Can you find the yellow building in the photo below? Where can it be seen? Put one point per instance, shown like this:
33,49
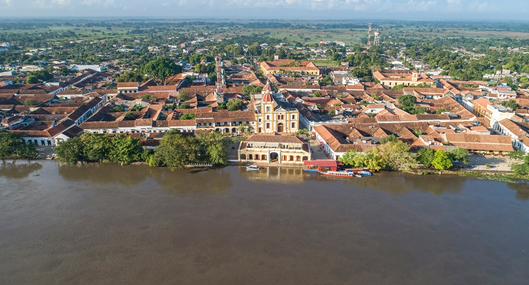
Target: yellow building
275,115
274,150
288,66
402,78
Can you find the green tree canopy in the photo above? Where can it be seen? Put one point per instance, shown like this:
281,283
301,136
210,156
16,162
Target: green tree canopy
70,151
161,68
176,151
235,105
426,157
442,161
125,150
13,147
96,148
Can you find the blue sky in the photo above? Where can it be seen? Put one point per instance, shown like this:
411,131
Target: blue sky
491,10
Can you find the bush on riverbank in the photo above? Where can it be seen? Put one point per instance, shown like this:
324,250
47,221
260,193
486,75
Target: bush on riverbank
120,149
522,169
396,155
176,151
393,155
13,147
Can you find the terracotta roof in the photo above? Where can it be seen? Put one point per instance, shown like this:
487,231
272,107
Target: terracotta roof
274,139
475,142
128,85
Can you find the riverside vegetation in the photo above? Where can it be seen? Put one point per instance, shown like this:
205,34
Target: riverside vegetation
395,155
175,150
13,147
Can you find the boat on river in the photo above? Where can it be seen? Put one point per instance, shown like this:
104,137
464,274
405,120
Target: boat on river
340,174
347,173
252,167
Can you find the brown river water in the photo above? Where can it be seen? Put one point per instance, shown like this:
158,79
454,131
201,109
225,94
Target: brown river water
135,225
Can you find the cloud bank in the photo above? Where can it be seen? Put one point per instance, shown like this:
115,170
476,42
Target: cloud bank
272,9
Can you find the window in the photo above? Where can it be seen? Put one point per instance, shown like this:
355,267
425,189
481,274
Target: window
293,125
268,125
267,117
293,117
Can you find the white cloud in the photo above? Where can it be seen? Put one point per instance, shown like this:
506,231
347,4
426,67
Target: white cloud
397,9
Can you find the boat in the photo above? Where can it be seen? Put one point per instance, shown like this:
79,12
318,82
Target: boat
365,173
340,174
252,167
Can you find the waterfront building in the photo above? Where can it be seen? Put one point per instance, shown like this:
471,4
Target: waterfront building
274,150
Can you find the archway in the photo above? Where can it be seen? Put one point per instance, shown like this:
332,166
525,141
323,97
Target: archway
274,157
280,128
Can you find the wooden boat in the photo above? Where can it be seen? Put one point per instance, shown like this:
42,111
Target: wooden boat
252,167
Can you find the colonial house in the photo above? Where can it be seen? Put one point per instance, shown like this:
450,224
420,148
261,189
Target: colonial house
519,136
128,87
274,150
402,78
288,66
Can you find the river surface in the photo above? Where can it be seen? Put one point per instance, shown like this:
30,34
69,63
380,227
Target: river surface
136,225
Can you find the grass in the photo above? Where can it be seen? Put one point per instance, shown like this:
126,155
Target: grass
326,63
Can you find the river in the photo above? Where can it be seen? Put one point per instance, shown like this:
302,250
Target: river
105,224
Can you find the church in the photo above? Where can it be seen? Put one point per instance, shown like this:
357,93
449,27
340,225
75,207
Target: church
274,114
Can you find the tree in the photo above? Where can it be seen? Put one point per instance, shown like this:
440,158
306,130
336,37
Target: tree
426,157
161,68
511,104
37,76
327,80
70,151
523,168
187,117
251,90
125,150
26,151
176,151
215,146
235,105
13,147
396,155
442,161
354,159
459,155
131,76
407,103
96,148
369,160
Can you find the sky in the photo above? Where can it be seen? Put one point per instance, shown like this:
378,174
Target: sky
490,10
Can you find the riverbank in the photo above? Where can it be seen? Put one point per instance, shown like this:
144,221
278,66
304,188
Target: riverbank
500,176
491,175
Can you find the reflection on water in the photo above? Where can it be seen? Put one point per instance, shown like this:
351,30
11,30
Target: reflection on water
17,169
284,175
522,190
185,181
220,180
106,224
